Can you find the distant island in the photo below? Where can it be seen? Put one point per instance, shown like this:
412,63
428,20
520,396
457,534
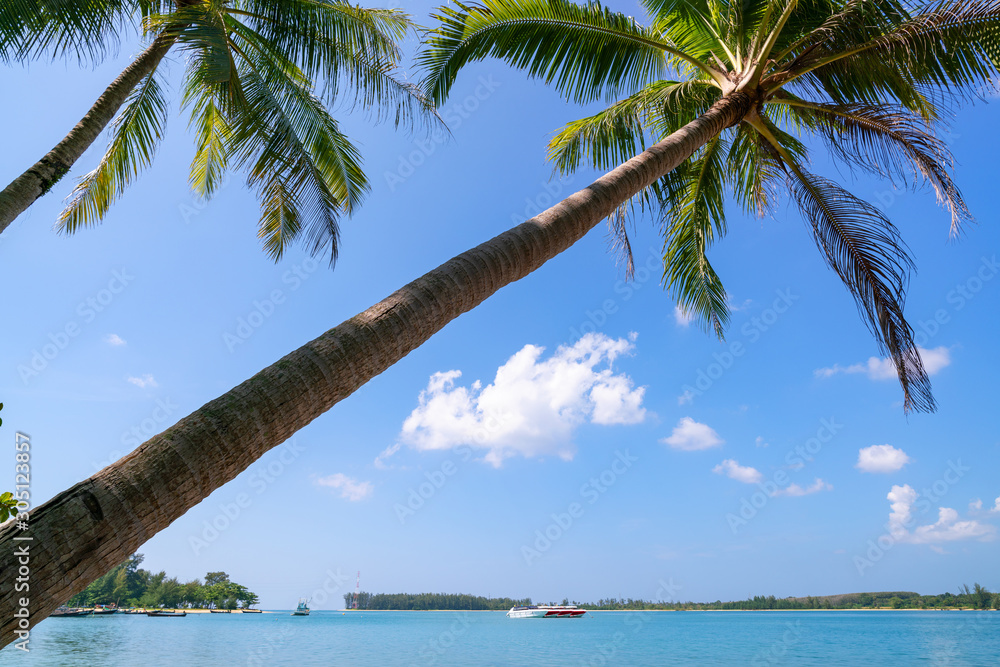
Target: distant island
977,597
128,585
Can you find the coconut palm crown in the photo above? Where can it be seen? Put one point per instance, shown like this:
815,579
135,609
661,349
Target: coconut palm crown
258,82
874,79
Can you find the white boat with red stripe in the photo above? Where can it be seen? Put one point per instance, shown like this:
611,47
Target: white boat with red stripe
546,611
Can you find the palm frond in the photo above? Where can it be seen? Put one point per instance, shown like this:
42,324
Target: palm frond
755,170
617,133
694,218
586,52
866,251
136,133
88,30
295,153
952,45
892,143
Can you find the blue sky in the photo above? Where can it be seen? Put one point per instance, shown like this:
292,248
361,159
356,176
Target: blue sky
763,480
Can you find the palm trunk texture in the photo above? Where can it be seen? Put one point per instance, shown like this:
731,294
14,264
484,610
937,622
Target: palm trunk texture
90,528
39,179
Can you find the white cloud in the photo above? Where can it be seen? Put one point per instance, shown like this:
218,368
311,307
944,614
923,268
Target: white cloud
682,317
146,380
533,405
114,339
976,505
384,454
690,436
883,369
351,489
948,527
733,470
881,458
795,490
760,442
996,505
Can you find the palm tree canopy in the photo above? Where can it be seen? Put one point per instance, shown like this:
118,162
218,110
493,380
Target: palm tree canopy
872,78
260,77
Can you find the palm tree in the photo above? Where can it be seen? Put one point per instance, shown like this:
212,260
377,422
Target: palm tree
871,78
250,86
913,60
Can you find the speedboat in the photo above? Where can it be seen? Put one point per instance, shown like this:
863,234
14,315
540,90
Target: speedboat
302,609
546,611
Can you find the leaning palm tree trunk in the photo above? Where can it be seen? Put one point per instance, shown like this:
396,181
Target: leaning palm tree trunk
88,529
39,179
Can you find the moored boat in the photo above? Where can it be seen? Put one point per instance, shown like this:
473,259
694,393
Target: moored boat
164,614
251,611
66,612
302,609
546,611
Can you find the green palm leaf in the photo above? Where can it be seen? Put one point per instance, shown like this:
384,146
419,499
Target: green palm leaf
695,217
136,133
865,250
585,51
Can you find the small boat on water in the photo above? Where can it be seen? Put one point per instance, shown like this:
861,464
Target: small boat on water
104,611
165,614
66,612
302,609
546,611
251,611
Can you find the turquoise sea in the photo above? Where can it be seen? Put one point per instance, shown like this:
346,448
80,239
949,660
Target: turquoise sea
448,639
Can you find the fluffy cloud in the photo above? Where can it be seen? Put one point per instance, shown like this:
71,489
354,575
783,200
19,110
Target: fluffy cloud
682,317
796,490
881,458
114,339
948,527
883,369
996,505
533,405
976,505
733,470
691,436
146,380
350,489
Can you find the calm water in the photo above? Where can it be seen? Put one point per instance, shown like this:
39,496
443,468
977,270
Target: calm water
488,638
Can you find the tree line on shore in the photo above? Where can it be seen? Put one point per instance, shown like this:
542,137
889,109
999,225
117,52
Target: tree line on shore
976,597
430,601
128,585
